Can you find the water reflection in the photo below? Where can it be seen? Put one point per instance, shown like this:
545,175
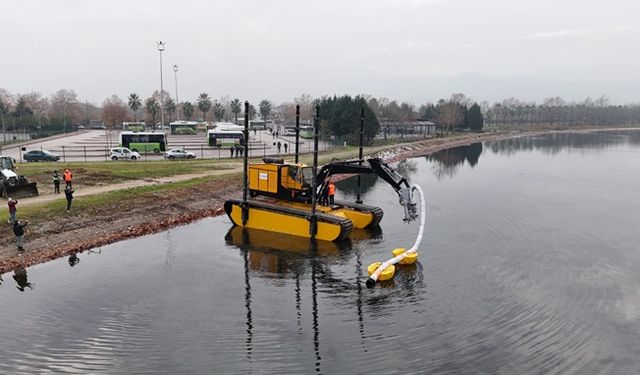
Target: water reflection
20,276
447,162
277,255
73,259
554,143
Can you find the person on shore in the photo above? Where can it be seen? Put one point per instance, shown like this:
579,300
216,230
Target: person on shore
286,146
18,230
231,149
331,192
56,182
12,209
279,146
68,193
67,177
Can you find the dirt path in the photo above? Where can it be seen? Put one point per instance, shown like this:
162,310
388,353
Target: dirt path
145,213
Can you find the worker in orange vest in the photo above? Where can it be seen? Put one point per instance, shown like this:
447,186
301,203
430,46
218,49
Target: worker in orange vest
332,192
67,176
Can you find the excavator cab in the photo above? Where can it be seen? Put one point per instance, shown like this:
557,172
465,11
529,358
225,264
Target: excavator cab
278,179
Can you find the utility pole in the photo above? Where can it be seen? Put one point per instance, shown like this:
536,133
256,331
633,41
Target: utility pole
160,49
175,71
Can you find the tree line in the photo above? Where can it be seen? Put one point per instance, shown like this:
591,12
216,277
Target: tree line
34,113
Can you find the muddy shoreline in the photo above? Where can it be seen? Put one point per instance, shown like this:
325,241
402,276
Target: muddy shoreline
76,232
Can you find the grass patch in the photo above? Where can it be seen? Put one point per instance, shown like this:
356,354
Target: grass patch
100,173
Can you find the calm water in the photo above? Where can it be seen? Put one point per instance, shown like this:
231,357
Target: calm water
530,265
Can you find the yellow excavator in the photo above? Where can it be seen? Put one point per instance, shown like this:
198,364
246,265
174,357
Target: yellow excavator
281,199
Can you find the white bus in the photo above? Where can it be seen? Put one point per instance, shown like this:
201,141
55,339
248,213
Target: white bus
225,138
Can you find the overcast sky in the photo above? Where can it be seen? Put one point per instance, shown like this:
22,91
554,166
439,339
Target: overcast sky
407,50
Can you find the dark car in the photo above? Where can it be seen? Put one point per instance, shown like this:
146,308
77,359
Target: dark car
40,155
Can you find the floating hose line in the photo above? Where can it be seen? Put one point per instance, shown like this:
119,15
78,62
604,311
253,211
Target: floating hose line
386,270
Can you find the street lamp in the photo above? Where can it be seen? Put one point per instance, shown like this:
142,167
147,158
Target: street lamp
160,49
175,71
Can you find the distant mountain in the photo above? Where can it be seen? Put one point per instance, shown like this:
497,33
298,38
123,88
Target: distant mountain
620,84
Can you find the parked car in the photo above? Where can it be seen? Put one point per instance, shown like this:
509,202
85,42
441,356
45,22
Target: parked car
178,153
40,155
123,153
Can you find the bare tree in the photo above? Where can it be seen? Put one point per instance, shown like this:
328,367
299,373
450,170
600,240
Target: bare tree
64,105
449,114
114,112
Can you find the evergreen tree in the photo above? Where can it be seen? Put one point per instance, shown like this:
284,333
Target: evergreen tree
341,117
475,118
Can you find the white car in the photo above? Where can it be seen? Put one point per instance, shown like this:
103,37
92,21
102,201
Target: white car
178,153
123,153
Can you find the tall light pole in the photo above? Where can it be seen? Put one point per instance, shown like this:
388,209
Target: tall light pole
175,71
160,49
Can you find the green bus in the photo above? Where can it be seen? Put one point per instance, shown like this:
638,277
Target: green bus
144,141
183,127
134,126
306,131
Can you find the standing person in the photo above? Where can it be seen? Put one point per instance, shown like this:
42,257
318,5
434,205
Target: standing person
56,182
68,193
324,196
18,230
279,145
231,149
12,210
286,146
332,191
67,177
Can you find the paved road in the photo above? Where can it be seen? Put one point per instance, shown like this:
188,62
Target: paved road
94,145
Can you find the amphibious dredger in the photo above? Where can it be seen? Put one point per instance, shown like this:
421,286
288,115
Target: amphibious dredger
281,198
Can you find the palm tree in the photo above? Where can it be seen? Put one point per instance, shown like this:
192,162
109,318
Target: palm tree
170,107
134,105
204,104
152,108
265,109
187,110
236,107
218,110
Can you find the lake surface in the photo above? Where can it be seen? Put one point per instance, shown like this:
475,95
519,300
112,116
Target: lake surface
530,264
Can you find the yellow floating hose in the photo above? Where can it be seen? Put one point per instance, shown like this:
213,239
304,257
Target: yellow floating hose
411,255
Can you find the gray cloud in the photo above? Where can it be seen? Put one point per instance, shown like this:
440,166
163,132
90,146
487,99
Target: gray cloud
414,50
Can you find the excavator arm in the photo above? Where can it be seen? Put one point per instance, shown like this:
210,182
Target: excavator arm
376,165
379,167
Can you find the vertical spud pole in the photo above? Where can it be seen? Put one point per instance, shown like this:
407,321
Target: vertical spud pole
297,129
245,190
313,225
360,154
